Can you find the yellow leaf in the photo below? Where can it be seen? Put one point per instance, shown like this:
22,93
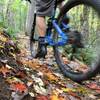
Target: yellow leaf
54,97
3,39
68,89
12,54
1,46
51,77
11,80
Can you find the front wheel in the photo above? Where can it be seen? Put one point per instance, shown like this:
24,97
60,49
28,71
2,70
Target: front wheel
84,17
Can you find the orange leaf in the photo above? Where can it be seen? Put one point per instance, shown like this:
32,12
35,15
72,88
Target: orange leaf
51,77
74,95
30,63
54,97
41,97
61,98
20,87
93,86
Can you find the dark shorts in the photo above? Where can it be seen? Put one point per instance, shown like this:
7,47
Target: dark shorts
44,7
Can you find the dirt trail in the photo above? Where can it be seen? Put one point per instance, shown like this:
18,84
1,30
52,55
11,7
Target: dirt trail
22,78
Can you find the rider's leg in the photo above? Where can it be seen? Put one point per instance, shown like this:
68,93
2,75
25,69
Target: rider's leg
43,8
41,27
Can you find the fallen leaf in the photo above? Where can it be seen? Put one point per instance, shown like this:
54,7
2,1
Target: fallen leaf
40,74
38,80
66,61
62,98
3,39
93,86
83,67
19,87
31,63
4,61
74,95
31,94
9,67
54,97
29,83
51,76
13,55
68,90
11,80
92,96
40,89
42,97
11,43
81,89
1,46
4,71
98,91
17,96
21,74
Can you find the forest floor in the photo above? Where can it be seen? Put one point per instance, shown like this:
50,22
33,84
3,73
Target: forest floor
23,78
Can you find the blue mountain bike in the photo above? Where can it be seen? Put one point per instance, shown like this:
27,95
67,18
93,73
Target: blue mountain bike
66,37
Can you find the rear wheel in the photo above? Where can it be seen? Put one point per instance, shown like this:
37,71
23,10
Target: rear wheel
85,63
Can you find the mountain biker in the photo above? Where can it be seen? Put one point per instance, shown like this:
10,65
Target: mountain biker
43,8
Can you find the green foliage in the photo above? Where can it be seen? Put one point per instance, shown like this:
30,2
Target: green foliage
13,15
85,55
11,31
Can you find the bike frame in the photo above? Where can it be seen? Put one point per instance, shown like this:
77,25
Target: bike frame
63,36
52,24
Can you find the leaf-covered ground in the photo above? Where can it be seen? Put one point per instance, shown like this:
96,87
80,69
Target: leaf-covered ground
23,78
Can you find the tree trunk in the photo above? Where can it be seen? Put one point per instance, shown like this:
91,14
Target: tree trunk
85,23
30,17
9,15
